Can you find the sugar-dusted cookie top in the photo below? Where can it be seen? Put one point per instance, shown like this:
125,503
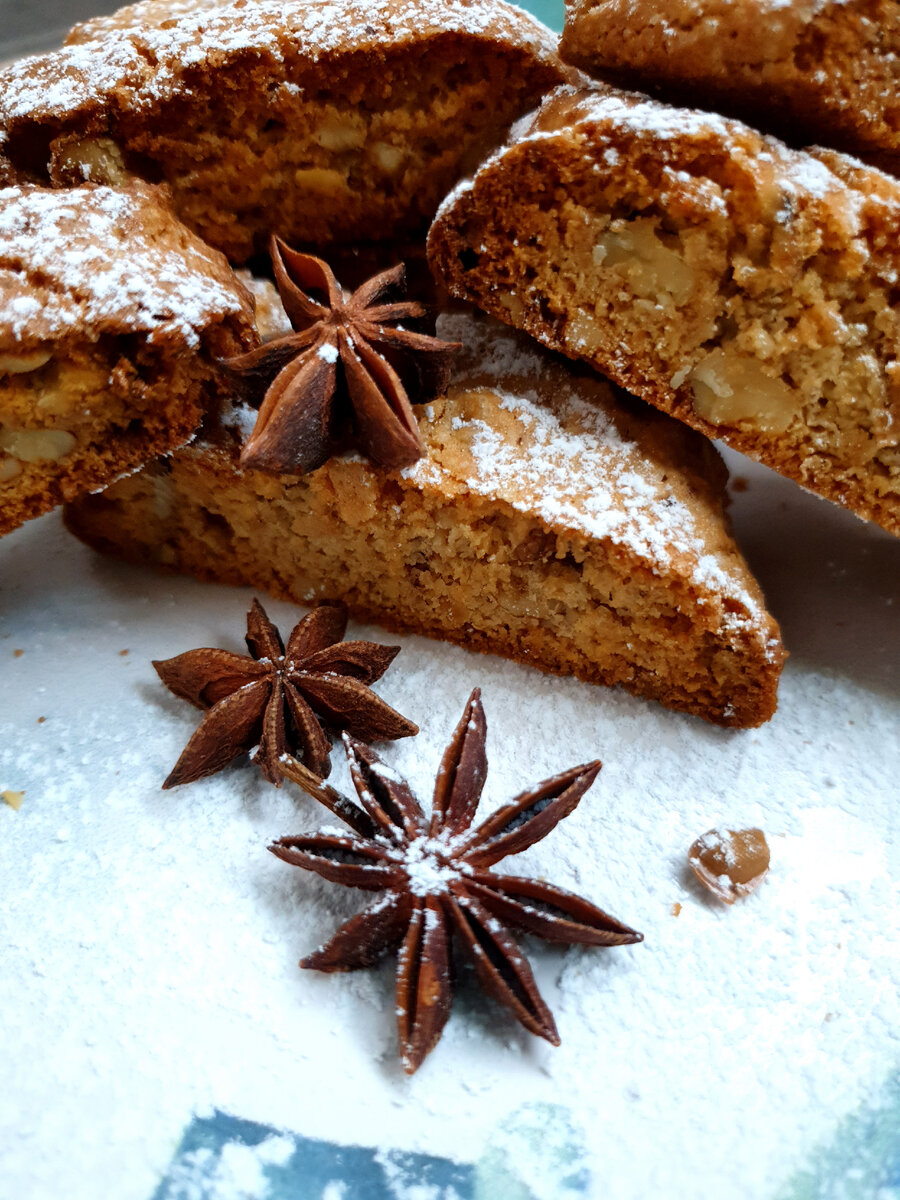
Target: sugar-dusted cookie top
524,427
823,71
81,263
316,28
534,431
320,121
551,519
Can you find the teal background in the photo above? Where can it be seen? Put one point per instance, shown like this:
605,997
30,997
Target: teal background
361,1173
549,11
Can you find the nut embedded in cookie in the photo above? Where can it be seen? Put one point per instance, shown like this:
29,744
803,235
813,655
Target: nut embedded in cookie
745,288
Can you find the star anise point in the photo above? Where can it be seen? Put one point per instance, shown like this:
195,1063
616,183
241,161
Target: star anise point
343,377
281,700
436,887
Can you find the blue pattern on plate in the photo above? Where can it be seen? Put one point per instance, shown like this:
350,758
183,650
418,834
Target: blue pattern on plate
862,1162
225,1158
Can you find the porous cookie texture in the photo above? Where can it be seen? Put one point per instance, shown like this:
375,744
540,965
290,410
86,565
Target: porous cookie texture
747,289
824,71
552,520
112,320
318,121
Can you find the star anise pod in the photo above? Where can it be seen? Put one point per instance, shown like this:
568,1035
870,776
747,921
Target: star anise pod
342,378
280,697
437,887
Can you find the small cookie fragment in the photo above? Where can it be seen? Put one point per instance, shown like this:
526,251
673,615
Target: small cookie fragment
730,863
13,799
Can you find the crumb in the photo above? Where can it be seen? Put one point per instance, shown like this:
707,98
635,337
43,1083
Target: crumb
13,799
676,909
41,720
18,653
122,653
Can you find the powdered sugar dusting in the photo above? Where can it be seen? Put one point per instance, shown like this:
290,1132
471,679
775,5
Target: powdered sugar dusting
149,935
597,111
638,115
95,260
141,56
427,864
241,417
575,469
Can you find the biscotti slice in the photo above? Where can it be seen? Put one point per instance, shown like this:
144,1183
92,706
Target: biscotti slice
552,520
112,320
823,71
748,289
317,121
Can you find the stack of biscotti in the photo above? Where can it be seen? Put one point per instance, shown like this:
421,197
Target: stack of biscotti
552,519
747,288
257,117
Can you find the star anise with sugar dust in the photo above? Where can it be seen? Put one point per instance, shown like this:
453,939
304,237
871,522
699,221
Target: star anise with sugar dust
436,887
345,376
282,699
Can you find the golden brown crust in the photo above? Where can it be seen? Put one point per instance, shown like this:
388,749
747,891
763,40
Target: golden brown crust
552,521
809,70
317,122
151,14
745,288
112,320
